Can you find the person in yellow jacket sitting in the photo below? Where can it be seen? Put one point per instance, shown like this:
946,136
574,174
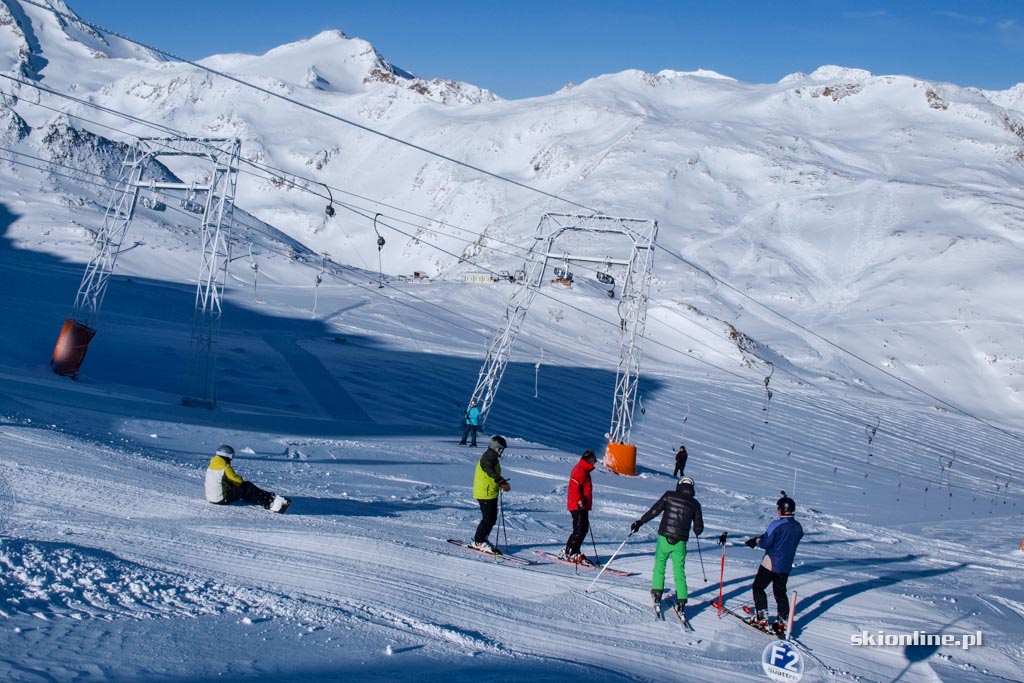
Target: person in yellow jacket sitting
223,485
486,483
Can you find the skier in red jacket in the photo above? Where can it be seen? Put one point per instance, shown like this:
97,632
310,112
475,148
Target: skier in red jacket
580,501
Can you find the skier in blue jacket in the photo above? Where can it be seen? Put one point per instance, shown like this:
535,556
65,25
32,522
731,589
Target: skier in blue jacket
779,541
472,423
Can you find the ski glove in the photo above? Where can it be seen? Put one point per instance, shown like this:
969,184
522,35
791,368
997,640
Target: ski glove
751,542
721,539
634,527
504,485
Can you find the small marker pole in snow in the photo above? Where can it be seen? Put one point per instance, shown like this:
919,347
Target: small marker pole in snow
614,555
721,580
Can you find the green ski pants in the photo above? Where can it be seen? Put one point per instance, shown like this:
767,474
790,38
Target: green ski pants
677,552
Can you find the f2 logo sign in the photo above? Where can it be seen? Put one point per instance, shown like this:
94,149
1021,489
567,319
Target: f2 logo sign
782,662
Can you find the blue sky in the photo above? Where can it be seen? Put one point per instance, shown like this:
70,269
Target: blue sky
528,48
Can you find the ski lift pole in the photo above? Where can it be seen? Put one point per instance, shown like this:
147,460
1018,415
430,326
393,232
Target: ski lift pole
606,564
380,245
536,375
329,209
319,279
255,268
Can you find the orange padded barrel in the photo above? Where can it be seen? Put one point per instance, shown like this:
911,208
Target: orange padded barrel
621,458
71,346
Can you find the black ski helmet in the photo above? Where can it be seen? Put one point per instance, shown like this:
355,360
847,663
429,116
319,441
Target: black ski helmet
226,452
497,444
786,505
685,484
589,455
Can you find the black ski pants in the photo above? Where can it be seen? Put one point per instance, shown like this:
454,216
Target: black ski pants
580,527
778,582
489,517
250,493
466,431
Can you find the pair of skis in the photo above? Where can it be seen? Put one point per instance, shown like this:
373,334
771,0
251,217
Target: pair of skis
746,620
659,615
521,562
588,565
510,559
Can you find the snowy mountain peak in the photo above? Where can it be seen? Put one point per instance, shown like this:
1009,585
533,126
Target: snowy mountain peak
840,73
32,37
333,62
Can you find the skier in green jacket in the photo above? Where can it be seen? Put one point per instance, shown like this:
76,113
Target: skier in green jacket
487,482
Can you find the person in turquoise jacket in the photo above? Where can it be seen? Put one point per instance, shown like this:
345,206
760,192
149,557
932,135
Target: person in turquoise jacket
472,424
487,482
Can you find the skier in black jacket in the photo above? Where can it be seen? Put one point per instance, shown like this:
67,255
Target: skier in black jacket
681,457
679,510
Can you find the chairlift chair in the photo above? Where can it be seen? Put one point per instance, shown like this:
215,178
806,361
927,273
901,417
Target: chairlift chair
152,203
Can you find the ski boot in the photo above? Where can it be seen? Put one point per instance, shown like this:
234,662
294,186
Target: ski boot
485,547
759,620
779,627
656,598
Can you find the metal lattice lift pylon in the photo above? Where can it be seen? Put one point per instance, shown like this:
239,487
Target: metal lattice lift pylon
585,239
212,198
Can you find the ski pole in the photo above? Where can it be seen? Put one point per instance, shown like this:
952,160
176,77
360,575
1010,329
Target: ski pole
504,529
701,556
608,562
594,543
721,578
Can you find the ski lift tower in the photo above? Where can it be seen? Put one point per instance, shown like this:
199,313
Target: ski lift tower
212,198
565,239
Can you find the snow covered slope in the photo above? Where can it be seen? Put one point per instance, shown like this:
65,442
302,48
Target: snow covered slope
879,215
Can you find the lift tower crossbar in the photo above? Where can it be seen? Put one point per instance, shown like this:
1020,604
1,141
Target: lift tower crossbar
591,239
212,197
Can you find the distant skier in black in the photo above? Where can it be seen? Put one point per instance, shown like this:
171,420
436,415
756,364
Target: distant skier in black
679,510
681,457
779,541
